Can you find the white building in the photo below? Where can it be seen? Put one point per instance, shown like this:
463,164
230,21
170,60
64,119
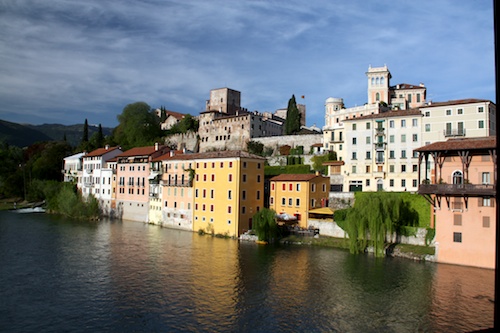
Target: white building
73,167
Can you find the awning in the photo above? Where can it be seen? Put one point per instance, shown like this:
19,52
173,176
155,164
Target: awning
153,175
322,211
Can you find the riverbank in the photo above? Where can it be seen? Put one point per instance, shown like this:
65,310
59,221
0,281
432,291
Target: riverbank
414,252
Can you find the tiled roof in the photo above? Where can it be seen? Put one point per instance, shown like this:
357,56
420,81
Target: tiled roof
176,115
333,163
209,155
407,86
388,114
101,151
481,143
294,177
141,151
455,102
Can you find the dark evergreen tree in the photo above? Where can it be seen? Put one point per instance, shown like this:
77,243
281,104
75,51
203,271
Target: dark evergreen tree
85,137
292,122
100,138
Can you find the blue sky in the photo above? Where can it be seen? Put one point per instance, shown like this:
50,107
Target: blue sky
62,61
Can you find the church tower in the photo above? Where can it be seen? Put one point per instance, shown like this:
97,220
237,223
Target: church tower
378,84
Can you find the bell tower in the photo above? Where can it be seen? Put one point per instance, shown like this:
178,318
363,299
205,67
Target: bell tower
378,84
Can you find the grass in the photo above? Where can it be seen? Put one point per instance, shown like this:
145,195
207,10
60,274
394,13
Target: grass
415,249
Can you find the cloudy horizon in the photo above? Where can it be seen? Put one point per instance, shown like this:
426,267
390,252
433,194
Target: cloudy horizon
66,61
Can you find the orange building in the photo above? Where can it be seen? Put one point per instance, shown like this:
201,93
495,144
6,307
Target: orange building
297,194
462,190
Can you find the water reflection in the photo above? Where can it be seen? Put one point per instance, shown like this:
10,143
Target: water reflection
126,276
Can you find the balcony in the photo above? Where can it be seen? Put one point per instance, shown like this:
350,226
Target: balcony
454,132
471,190
178,183
379,130
379,146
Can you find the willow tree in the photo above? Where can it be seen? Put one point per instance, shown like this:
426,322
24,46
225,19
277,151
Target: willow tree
373,217
264,224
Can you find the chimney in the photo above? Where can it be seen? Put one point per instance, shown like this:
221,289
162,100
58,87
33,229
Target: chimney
106,147
157,146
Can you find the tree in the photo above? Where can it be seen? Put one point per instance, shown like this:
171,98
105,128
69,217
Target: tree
292,122
318,160
139,126
264,224
97,139
85,137
255,147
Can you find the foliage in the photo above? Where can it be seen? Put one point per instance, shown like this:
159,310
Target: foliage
318,160
420,205
292,122
268,151
340,214
48,161
264,225
139,126
299,150
97,139
85,136
374,216
11,170
285,150
270,171
255,147
429,236
294,160
187,124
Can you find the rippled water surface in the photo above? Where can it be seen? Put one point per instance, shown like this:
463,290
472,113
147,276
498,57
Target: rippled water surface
59,275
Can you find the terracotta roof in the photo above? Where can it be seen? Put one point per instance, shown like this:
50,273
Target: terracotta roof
174,114
294,177
455,102
389,114
481,143
208,155
101,151
142,151
317,145
333,163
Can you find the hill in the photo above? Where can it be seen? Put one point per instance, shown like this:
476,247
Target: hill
73,133
23,135
19,135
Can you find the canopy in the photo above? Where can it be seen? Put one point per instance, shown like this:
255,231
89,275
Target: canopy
322,210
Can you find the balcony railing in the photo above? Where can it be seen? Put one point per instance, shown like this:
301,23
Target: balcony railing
458,189
379,145
185,183
454,132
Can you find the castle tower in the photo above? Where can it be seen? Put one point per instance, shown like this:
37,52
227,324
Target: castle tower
378,84
224,100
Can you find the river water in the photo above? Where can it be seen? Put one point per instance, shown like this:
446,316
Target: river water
59,275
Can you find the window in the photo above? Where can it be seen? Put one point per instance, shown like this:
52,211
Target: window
353,127
221,164
212,194
457,219
313,202
414,183
368,140
427,113
354,140
460,111
290,187
367,169
313,187
409,98
485,202
391,154
229,194
414,122
367,125
403,137
213,177
353,169
283,201
403,182
418,98
403,153
230,164
290,201
243,210
324,187
391,138
203,207
230,177
272,186
427,127
367,183
298,187
204,193
283,187
229,209
244,165
414,168
354,155
368,155
415,137
480,109
195,193
403,168
297,202
403,123
258,178
486,221
391,182
204,178
244,195
244,178
485,178
258,195
271,200
448,112
457,237
211,208
391,168
391,123
480,124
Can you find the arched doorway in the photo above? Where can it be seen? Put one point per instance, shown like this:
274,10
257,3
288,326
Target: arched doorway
458,178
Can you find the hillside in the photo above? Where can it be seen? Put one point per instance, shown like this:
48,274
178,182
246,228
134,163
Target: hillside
19,135
23,135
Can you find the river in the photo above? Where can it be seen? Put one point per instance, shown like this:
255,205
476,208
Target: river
59,275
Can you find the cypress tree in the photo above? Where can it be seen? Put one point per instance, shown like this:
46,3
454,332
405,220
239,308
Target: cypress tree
85,137
100,137
292,122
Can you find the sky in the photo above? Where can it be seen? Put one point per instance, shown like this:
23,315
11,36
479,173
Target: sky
64,61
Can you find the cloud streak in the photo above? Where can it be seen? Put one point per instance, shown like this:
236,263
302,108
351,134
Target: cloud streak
64,61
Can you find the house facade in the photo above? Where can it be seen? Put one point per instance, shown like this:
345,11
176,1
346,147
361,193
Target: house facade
73,168
297,194
461,187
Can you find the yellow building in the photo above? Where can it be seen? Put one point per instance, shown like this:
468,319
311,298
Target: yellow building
228,191
297,194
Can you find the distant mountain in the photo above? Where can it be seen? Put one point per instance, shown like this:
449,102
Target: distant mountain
19,135
74,133
23,135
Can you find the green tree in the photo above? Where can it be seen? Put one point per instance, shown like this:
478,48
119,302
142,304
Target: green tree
139,126
186,124
375,215
97,140
292,122
255,147
318,160
48,164
264,225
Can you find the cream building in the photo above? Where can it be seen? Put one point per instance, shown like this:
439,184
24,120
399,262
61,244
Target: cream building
73,167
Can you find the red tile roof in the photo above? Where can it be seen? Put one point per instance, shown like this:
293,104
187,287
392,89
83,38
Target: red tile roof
455,102
208,155
101,151
481,143
176,115
143,151
294,177
403,86
388,114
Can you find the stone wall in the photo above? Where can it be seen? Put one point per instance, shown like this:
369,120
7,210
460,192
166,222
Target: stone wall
188,141
306,141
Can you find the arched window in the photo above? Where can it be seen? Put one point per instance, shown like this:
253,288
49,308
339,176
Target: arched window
373,81
377,81
377,97
381,81
458,177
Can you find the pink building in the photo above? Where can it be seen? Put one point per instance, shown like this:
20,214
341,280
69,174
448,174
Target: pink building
462,191
132,186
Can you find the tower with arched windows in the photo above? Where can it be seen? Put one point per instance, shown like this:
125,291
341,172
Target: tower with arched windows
378,84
